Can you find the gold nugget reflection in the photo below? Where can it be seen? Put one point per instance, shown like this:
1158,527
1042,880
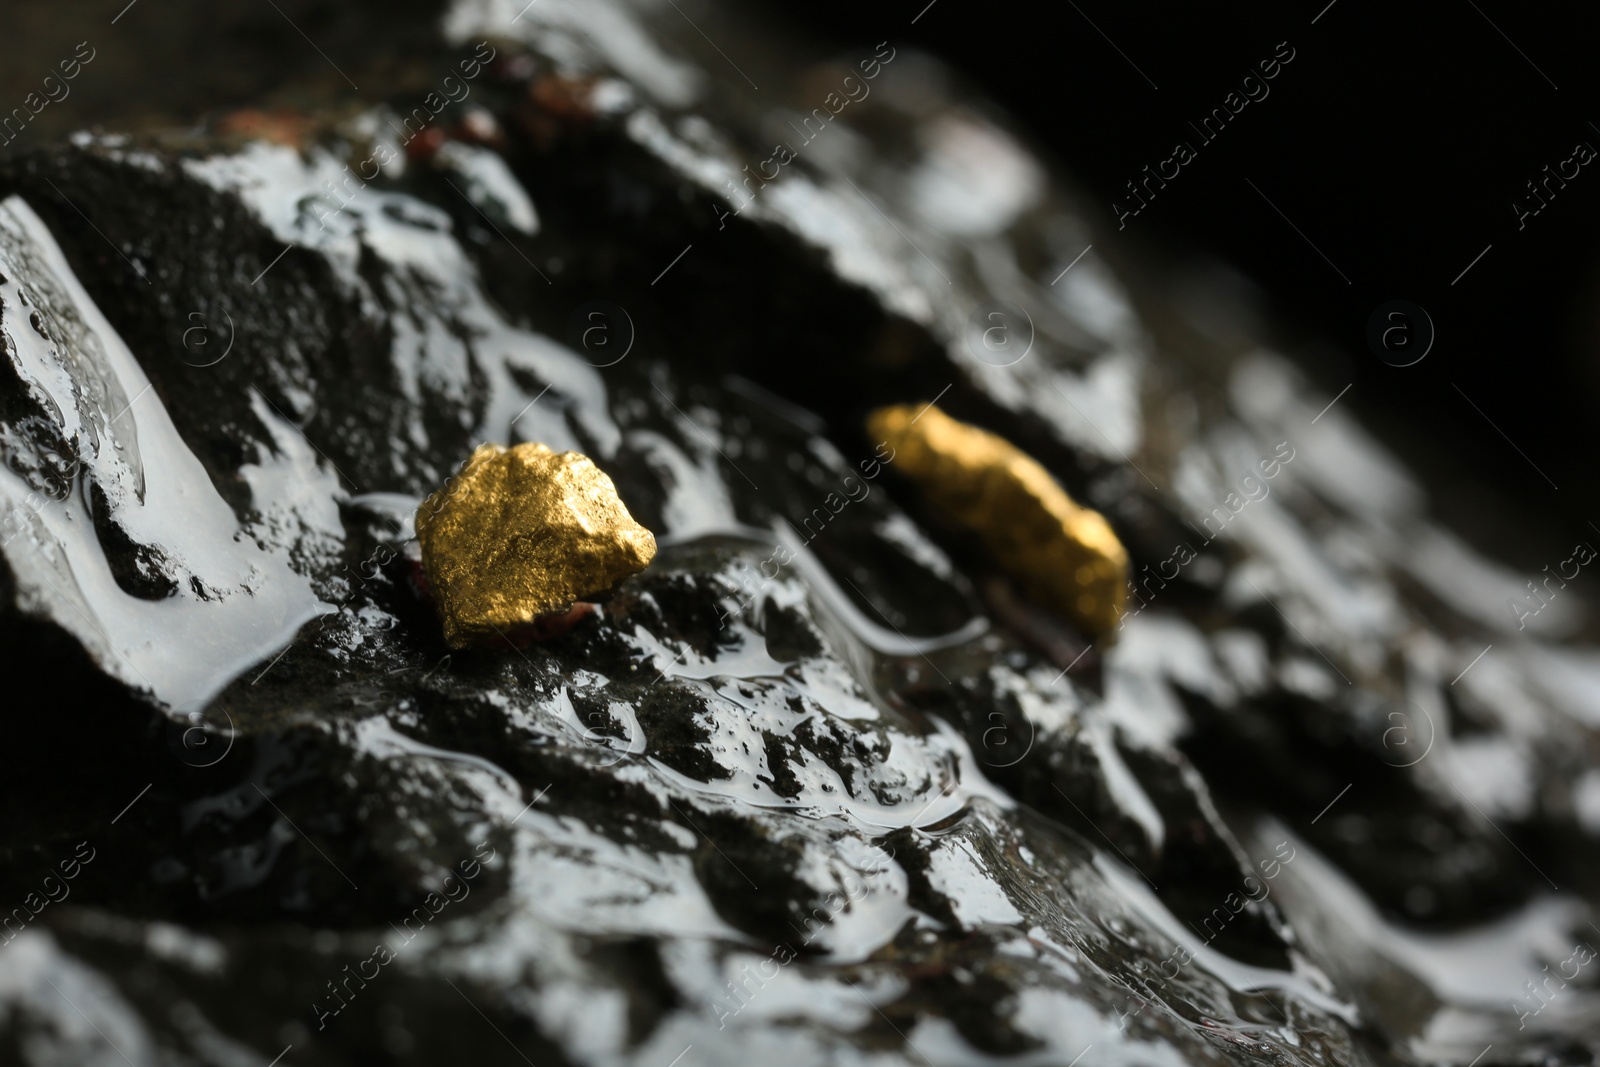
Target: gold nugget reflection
521,533
1063,555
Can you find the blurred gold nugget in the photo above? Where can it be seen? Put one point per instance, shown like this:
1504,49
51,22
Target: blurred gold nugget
521,533
1064,555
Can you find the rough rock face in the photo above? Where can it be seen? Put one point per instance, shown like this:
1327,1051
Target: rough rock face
817,787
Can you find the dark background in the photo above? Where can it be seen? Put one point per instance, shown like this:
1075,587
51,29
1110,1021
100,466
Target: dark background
1396,141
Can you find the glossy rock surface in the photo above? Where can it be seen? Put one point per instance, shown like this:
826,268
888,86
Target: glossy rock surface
814,788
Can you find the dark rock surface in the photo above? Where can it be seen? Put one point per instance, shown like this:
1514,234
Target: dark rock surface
816,787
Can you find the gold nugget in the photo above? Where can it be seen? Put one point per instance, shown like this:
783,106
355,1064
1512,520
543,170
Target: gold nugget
522,533
1064,555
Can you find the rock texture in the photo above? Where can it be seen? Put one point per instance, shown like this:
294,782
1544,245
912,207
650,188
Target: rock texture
809,792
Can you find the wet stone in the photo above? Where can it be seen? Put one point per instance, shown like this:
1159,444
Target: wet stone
825,783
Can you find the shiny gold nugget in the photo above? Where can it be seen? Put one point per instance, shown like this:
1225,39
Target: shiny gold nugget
1064,555
521,533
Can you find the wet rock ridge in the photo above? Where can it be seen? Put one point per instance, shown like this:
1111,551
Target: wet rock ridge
819,785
